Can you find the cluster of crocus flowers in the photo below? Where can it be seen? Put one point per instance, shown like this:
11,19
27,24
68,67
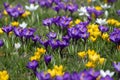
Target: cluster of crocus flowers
113,22
62,21
4,75
90,12
58,73
37,54
93,58
15,11
58,5
94,31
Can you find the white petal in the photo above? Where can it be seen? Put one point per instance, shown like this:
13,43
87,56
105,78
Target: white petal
106,14
36,7
27,7
81,14
102,73
17,45
112,73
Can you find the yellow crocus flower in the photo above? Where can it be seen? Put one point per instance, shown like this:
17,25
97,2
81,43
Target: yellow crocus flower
82,54
92,38
94,57
91,52
105,36
51,72
15,23
77,21
5,12
26,13
59,73
41,50
1,31
98,8
101,60
90,64
4,75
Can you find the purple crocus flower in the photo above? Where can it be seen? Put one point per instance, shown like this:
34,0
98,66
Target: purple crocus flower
92,10
47,59
107,78
74,33
64,22
103,29
47,22
56,20
12,12
56,8
54,44
81,28
62,44
84,35
58,78
94,73
1,43
84,75
115,36
18,32
111,1
32,1
75,76
28,32
98,13
118,12
117,66
62,6
33,65
20,9
42,76
7,29
45,43
66,38
67,76
35,38
51,35
42,3
6,5
15,11
72,7
49,3
57,1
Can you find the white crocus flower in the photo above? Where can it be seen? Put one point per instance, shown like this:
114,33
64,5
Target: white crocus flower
17,45
32,7
105,73
101,21
23,25
105,6
106,13
82,11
